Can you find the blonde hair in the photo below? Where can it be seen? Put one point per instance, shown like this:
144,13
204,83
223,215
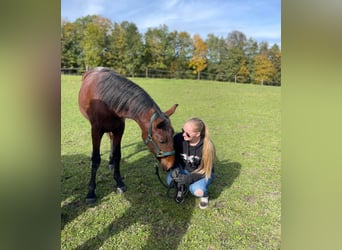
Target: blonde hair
208,152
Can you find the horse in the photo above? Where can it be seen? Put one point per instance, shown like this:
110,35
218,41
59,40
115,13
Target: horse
106,99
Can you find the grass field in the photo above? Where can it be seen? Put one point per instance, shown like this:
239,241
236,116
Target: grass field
245,199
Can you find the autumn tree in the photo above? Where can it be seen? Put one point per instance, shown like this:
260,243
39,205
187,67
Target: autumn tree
198,61
243,74
267,65
264,69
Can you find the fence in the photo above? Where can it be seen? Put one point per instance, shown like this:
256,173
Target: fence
159,73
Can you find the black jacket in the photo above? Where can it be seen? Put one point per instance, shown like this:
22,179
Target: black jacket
188,156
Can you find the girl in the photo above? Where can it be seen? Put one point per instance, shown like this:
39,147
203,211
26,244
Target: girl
194,169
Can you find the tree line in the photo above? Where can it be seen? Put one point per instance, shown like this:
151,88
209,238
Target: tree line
94,40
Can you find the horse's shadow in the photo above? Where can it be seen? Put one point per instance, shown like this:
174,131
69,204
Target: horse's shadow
149,205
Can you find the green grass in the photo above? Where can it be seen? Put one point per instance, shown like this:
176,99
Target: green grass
245,198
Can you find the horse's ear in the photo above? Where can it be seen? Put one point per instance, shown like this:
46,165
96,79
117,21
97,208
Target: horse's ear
171,110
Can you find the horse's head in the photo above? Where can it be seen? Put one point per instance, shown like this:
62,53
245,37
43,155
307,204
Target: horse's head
159,137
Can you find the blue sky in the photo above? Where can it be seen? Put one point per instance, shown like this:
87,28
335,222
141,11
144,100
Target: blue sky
258,19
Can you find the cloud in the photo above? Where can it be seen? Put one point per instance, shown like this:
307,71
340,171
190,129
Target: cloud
170,4
178,15
93,8
78,8
257,19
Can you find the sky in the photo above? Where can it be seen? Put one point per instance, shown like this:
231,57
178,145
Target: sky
257,19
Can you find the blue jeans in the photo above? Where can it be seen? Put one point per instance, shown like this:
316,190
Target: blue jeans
201,184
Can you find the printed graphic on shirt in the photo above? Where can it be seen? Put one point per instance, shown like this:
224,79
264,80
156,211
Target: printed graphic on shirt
193,159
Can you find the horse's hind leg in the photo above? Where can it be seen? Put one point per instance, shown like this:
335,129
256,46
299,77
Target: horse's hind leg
96,135
115,156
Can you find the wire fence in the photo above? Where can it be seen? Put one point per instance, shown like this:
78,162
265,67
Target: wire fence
167,74
159,73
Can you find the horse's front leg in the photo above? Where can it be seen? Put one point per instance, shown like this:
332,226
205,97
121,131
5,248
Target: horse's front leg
115,158
95,163
121,187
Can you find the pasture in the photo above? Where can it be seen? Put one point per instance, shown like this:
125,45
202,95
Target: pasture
244,201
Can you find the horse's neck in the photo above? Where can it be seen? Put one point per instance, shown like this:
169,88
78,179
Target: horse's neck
144,122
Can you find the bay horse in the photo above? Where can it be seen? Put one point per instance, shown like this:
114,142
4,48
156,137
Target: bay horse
106,99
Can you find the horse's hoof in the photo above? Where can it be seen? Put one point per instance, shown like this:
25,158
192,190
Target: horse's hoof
121,190
90,200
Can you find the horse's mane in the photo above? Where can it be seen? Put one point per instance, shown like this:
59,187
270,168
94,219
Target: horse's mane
123,95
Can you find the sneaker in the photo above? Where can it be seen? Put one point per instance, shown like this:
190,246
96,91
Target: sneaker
204,202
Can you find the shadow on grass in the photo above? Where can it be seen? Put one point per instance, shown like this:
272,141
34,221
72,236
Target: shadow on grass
226,173
149,205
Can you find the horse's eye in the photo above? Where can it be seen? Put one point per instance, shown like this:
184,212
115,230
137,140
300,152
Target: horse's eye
161,125
162,141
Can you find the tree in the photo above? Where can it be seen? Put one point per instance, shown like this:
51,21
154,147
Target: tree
243,74
263,48
126,47
235,43
216,52
251,50
236,39
198,61
264,69
233,62
269,68
275,57
133,58
69,48
221,72
79,26
156,48
95,41
178,60
118,48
